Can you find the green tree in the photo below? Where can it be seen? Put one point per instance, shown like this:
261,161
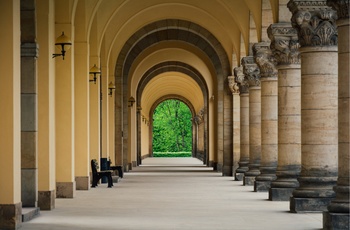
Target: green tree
172,127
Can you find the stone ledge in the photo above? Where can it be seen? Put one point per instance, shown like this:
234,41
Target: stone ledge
29,213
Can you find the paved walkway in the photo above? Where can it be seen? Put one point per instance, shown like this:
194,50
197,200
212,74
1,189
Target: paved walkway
172,193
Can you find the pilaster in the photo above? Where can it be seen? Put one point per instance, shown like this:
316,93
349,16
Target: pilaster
315,23
252,76
269,135
337,216
285,48
244,123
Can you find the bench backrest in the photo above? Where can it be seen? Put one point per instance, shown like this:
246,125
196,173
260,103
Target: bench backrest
94,166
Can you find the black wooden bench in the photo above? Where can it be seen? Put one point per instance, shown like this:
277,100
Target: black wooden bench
119,168
97,175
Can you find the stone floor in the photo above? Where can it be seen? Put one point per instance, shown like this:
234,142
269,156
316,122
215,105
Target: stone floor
172,193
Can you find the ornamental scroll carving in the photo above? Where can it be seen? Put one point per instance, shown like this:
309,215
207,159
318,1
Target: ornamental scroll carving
266,62
341,6
232,84
199,118
315,22
251,71
284,43
240,79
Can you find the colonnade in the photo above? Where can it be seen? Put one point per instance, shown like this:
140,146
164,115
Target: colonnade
298,112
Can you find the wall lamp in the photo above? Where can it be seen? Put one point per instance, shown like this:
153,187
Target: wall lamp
62,42
131,101
111,87
94,70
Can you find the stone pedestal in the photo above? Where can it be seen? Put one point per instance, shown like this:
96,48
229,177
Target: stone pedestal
11,216
65,189
319,105
285,47
263,57
82,182
46,200
244,123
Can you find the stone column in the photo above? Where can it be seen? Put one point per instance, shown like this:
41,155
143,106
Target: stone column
315,23
337,216
10,122
252,75
234,88
29,106
64,114
46,106
269,133
82,115
244,123
227,139
285,47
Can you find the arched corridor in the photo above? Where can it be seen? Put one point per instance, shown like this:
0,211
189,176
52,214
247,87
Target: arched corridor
172,193
266,81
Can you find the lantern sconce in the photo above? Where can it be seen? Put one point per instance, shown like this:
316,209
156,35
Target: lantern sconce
62,42
111,87
131,101
94,70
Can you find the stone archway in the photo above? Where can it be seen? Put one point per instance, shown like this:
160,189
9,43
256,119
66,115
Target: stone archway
168,30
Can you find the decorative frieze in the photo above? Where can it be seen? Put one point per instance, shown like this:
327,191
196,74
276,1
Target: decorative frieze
315,22
232,84
240,79
264,59
251,71
341,6
284,43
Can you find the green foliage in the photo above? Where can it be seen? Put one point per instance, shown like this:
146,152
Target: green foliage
172,127
172,154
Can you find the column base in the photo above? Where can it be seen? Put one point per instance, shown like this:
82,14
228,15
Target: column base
309,204
82,182
262,186
65,189
239,176
227,171
134,164
336,220
248,180
280,194
13,217
219,167
46,200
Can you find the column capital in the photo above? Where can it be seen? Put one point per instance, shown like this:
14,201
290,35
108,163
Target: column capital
240,79
341,6
251,71
232,84
284,43
315,22
199,118
264,59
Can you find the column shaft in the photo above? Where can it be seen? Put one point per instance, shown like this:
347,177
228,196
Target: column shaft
10,106
337,216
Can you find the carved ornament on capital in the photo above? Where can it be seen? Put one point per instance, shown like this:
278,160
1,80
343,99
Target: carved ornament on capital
284,43
265,60
251,71
315,22
232,84
341,6
240,79
199,118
